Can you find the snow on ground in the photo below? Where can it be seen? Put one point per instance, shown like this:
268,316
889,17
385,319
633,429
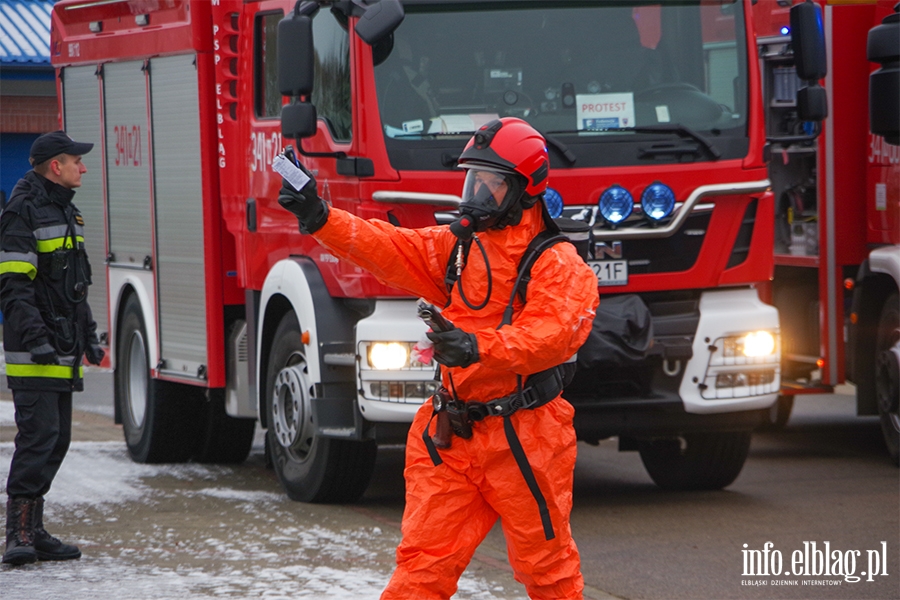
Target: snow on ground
7,413
77,482
151,532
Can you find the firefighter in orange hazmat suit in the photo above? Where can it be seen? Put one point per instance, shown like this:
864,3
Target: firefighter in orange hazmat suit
501,376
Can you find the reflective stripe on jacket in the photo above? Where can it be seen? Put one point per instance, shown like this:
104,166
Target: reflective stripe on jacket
19,364
53,238
19,262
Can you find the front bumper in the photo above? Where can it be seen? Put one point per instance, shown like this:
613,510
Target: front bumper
392,395
749,383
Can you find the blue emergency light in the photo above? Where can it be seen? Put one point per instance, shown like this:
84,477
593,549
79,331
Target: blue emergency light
554,202
657,201
615,204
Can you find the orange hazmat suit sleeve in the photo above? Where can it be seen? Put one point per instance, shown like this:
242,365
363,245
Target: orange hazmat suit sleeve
412,260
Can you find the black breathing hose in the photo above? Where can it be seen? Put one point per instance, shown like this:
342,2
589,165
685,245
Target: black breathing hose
490,280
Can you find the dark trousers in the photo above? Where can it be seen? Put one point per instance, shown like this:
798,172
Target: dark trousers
44,420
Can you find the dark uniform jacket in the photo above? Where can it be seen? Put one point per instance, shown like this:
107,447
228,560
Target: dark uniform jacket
44,276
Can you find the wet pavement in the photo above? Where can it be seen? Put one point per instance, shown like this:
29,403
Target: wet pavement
201,531
204,531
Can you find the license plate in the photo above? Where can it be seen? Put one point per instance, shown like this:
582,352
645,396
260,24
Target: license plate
610,272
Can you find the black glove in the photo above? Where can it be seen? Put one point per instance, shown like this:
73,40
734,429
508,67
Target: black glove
311,211
45,354
454,348
94,354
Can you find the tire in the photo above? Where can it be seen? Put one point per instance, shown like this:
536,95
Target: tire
311,468
157,420
779,414
226,439
696,461
887,378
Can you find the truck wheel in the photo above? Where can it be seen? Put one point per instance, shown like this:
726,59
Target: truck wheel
696,461
887,374
226,439
779,414
156,420
310,468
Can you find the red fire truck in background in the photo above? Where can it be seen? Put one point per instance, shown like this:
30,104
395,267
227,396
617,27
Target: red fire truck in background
837,214
219,312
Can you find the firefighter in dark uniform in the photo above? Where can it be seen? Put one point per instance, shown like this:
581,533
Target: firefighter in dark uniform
44,276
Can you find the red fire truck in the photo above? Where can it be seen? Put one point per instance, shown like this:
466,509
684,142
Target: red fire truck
837,227
219,312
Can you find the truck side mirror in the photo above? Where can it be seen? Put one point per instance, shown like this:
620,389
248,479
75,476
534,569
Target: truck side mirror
298,120
812,103
808,41
808,45
883,47
379,20
295,56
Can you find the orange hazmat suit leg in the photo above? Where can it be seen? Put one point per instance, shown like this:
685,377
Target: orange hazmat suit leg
451,507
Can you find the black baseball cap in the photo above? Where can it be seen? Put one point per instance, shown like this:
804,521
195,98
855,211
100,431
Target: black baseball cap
53,144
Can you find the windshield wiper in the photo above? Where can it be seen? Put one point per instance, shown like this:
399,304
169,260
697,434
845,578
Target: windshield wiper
436,134
676,128
563,149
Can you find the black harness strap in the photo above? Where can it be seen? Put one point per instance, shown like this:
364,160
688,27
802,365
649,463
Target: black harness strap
536,247
519,454
429,445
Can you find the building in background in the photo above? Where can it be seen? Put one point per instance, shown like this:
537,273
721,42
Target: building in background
28,105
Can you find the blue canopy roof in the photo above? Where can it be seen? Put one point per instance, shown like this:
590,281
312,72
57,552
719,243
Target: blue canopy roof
25,32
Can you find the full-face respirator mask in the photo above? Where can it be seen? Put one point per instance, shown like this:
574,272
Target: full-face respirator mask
491,199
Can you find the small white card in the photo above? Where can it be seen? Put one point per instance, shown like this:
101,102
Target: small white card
416,126
662,114
294,175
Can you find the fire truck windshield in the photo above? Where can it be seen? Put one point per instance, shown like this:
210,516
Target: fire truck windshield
585,72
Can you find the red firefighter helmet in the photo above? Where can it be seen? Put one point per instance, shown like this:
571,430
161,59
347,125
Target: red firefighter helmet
510,145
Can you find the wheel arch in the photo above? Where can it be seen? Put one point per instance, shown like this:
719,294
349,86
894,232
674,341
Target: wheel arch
128,285
876,280
276,307
292,284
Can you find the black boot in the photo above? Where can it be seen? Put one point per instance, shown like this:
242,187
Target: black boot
47,546
19,531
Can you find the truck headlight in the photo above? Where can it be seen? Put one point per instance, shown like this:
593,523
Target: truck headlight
742,365
753,344
759,343
386,356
